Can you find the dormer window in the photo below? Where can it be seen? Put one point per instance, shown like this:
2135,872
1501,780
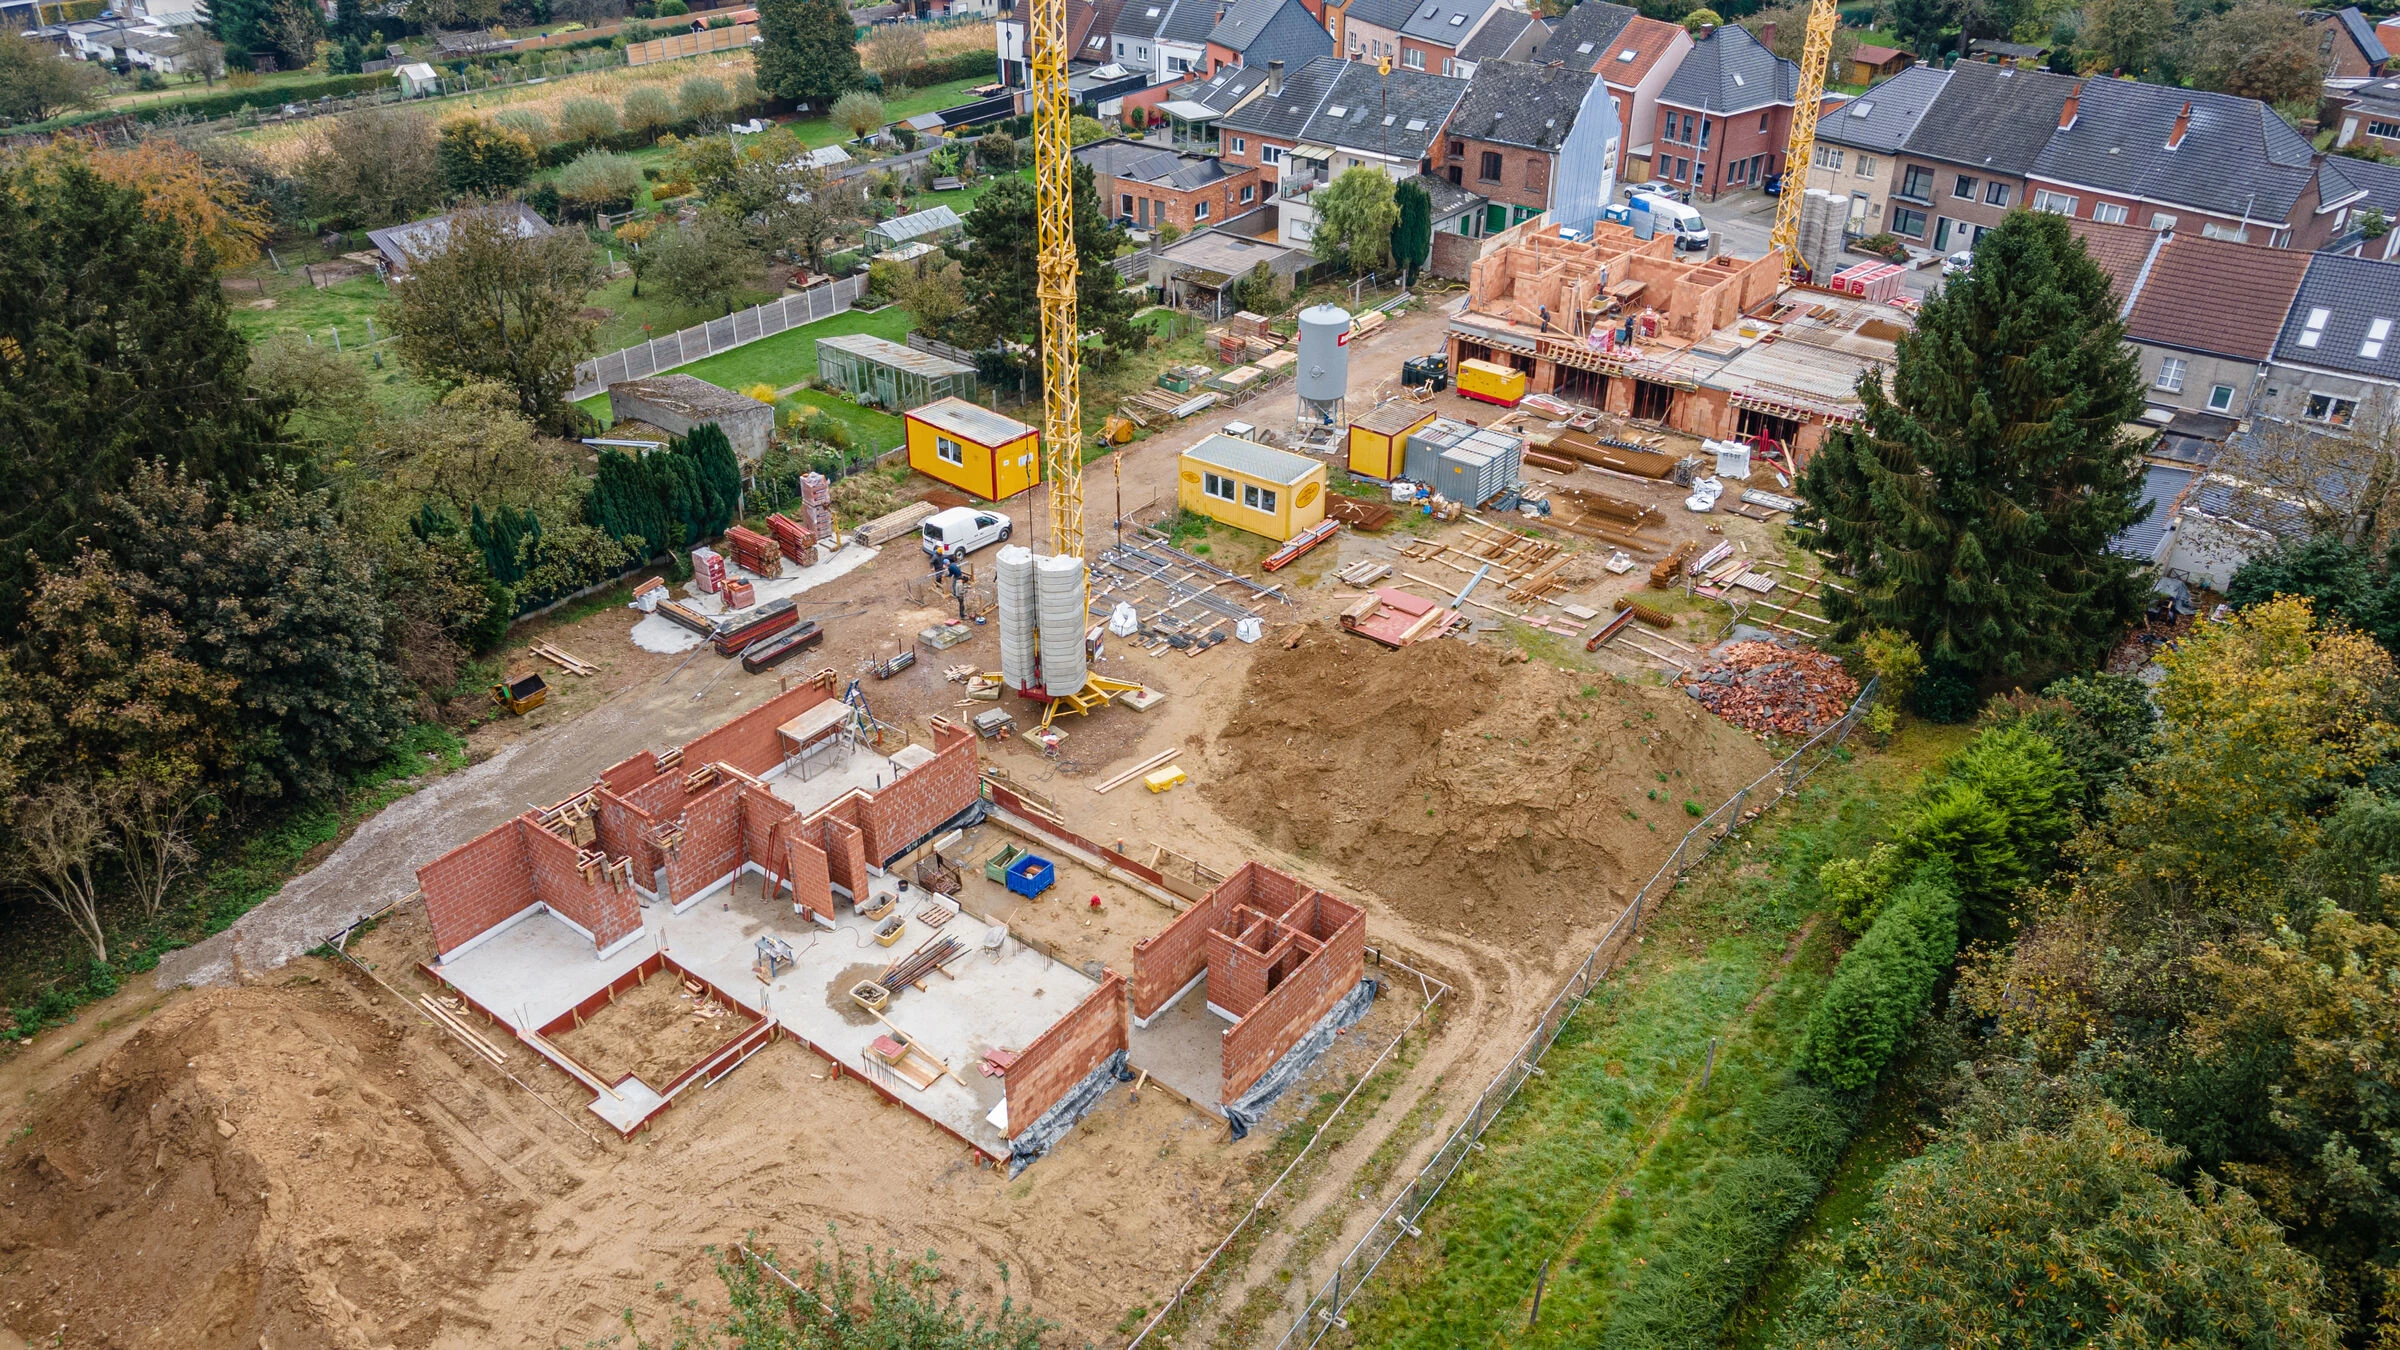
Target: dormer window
2315,331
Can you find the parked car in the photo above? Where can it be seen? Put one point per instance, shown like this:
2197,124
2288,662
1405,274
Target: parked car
961,530
1958,262
1774,185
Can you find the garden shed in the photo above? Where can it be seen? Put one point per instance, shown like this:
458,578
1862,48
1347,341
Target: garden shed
869,368
934,222
678,403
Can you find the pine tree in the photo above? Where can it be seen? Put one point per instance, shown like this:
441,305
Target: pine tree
720,472
1002,268
1412,235
1973,506
808,51
624,503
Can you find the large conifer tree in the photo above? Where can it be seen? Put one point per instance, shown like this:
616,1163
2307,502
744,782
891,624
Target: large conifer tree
808,51
1973,505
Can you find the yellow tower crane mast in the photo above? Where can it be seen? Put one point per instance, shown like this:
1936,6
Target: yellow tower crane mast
1054,190
1801,148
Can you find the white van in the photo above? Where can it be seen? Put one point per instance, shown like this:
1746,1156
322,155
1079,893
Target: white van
1675,218
961,530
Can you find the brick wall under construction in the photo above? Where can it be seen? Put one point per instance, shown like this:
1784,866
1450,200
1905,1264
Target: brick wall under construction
485,881
1278,1020
1067,1053
905,811
1167,960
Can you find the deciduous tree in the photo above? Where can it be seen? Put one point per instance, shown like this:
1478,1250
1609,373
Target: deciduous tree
373,167
59,837
211,202
484,159
496,305
649,110
858,112
1355,216
1974,503
2261,49
703,262
36,85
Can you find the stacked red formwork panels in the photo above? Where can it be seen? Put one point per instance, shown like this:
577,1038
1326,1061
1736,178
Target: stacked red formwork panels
754,552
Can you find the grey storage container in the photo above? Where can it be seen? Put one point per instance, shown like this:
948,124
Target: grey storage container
1422,461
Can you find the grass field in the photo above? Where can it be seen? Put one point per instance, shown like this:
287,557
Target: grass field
1594,1163
790,357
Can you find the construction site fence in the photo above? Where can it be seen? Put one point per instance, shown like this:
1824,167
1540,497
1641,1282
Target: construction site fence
701,341
1323,1311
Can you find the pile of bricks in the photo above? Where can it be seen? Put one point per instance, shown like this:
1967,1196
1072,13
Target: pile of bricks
754,551
816,493
1766,689
708,570
740,595
798,542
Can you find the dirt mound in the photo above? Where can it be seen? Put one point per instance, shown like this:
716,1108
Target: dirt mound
1476,790
252,1168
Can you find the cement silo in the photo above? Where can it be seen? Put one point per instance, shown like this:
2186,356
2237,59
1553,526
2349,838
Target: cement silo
1324,369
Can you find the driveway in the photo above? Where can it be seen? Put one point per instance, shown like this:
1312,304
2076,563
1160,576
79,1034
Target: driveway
1742,222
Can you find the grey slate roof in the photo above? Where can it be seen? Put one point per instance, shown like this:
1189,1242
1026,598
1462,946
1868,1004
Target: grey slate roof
422,239
1444,22
1228,87
1284,115
2238,155
1498,34
1189,21
2162,488
2341,178
1357,116
1582,36
1382,13
1120,158
1513,103
1992,117
1881,118
1448,199
2347,298
1729,71
1262,30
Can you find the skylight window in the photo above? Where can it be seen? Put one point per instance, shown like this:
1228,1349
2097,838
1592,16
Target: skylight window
1629,54
1338,110
1457,19
1388,119
1584,50
2316,327
1862,107
2376,333
1152,12
1416,124
1737,78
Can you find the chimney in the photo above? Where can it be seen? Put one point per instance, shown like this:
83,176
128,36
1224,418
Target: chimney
2183,126
2066,114
1220,14
1274,77
1766,33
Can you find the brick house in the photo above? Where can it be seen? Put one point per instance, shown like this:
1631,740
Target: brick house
1365,119
1517,133
1635,55
2201,314
2350,46
1261,131
2226,167
2350,193
1963,167
1255,32
1368,30
1508,35
1436,29
1724,115
1147,185
1856,145
2369,112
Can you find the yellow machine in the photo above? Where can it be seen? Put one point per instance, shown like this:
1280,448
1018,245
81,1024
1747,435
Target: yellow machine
1823,17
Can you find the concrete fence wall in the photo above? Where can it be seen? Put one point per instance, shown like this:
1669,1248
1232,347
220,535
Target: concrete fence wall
717,335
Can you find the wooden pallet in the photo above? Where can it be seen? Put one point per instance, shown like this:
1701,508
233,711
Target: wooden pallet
563,659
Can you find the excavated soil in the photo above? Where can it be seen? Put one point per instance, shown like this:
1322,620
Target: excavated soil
651,1031
1475,789
254,1167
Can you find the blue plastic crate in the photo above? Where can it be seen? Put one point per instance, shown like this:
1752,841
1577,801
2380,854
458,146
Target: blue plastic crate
1031,875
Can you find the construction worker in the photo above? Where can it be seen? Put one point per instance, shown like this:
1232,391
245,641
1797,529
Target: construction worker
958,592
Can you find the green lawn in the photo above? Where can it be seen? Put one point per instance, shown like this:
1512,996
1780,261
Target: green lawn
816,131
294,311
790,357
655,314
1594,1163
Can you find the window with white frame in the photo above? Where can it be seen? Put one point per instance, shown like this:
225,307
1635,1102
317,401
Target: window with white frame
1217,485
2220,397
1241,145
1200,210
2108,213
2170,375
1249,192
2387,130
1258,498
1270,154
949,451
2160,220
2231,234
2057,203
2332,408
2313,332
1866,166
1829,157
2377,332
1413,58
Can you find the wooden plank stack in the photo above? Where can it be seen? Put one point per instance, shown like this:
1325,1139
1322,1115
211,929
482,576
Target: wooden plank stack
884,529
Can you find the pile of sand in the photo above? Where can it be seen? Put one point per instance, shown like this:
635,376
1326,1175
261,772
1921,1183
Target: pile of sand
1473,789
241,1172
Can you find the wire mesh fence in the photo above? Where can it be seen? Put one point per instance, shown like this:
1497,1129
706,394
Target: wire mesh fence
717,335
1399,1219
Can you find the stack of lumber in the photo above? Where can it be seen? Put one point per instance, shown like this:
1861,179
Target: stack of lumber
1590,449
1356,513
798,542
754,552
885,528
688,618
1600,516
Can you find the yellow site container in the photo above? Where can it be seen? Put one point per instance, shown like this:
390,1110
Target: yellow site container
974,449
1379,440
1251,486
1491,383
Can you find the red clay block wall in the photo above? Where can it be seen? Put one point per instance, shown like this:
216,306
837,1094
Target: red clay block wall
762,814
748,742
475,886
606,911
630,772
712,840
1059,1058
1167,960
1281,1018
804,867
901,813
1237,975
845,856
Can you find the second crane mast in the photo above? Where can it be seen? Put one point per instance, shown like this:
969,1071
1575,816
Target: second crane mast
1801,147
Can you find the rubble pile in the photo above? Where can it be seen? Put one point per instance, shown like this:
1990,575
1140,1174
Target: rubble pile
1770,690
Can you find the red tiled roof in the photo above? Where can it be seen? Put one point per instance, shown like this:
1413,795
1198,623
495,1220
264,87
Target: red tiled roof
1874,56
2119,249
2217,296
1647,39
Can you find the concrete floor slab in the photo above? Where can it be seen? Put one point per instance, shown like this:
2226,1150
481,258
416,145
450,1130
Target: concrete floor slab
1184,1048
1001,998
830,780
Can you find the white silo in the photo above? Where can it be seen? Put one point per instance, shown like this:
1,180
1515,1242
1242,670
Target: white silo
1020,630
1059,606
1324,370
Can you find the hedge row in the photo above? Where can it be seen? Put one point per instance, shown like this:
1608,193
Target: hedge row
234,100
962,66
1883,982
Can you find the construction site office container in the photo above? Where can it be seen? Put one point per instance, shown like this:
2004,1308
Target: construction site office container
974,449
1251,487
1379,440
1491,383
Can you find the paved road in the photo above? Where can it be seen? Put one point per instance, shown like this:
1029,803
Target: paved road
1742,221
